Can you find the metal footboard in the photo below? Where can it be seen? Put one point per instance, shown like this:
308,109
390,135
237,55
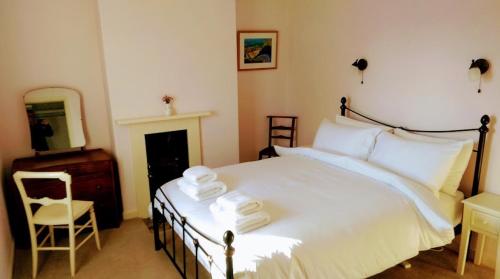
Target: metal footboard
188,231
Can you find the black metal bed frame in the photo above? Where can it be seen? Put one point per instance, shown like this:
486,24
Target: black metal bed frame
160,218
483,131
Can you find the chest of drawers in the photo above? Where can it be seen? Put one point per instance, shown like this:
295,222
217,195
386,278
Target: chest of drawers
94,178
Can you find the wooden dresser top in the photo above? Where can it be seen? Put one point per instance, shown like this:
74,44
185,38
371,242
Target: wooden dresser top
68,158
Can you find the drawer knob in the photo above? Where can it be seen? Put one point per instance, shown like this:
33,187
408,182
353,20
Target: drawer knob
98,187
485,222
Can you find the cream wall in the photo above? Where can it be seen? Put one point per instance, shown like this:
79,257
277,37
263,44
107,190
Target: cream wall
262,92
50,43
6,241
181,48
418,54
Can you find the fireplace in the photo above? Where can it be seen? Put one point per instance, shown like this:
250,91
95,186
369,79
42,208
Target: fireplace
162,147
167,156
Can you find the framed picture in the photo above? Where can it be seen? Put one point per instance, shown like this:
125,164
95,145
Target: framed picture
257,50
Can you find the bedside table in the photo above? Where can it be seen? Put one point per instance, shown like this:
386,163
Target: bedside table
481,215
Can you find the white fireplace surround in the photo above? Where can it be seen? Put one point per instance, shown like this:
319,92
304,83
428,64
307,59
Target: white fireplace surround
138,128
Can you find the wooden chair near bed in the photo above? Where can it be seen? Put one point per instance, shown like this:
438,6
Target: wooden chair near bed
291,137
55,214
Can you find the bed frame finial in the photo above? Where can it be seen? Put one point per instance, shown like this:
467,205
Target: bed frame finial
229,251
485,120
483,130
343,106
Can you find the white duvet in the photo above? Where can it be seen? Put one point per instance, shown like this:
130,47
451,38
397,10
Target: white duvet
332,217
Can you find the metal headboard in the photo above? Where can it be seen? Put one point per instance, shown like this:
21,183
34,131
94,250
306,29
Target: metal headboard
483,131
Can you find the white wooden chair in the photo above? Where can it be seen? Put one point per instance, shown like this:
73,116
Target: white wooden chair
55,214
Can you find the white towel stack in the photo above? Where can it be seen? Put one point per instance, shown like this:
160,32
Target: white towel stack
200,183
239,212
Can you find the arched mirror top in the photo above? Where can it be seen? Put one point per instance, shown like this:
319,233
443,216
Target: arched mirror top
55,118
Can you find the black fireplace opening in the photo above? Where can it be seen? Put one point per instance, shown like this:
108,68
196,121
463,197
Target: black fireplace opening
167,157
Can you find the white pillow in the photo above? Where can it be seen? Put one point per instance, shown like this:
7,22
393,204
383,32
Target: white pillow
452,182
345,140
426,163
360,124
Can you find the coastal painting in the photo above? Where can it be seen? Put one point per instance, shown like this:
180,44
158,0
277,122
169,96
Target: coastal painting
257,50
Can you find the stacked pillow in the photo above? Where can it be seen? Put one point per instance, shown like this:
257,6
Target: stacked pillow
452,181
424,162
436,163
345,140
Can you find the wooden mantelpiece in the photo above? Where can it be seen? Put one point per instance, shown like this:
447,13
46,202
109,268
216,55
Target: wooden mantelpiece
143,120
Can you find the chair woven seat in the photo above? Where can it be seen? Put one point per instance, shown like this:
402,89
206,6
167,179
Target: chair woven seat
56,214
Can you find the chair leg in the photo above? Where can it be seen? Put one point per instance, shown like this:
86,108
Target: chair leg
72,250
52,238
34,258
94,226
34,251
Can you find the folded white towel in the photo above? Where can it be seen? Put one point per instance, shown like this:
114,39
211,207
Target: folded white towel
202,192
199,175
239,203
239,223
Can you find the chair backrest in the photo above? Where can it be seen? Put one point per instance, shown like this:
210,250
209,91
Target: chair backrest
27,201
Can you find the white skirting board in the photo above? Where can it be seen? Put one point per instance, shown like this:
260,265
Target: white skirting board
131,214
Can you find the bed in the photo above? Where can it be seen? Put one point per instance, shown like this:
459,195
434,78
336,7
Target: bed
333,216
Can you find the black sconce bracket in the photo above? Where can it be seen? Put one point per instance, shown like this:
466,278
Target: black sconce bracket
483,65
361,64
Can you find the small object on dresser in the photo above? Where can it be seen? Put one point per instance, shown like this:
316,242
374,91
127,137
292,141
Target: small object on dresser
481,215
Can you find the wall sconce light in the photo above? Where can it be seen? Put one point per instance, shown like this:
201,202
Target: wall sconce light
361,64
477,68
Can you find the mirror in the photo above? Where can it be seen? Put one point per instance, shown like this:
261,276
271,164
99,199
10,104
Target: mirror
55,118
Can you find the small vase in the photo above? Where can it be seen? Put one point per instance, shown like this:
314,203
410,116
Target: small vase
169,109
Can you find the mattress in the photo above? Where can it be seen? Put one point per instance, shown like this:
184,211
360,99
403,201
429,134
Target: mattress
332,217
452,206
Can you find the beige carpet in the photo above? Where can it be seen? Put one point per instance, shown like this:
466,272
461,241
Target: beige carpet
128,252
